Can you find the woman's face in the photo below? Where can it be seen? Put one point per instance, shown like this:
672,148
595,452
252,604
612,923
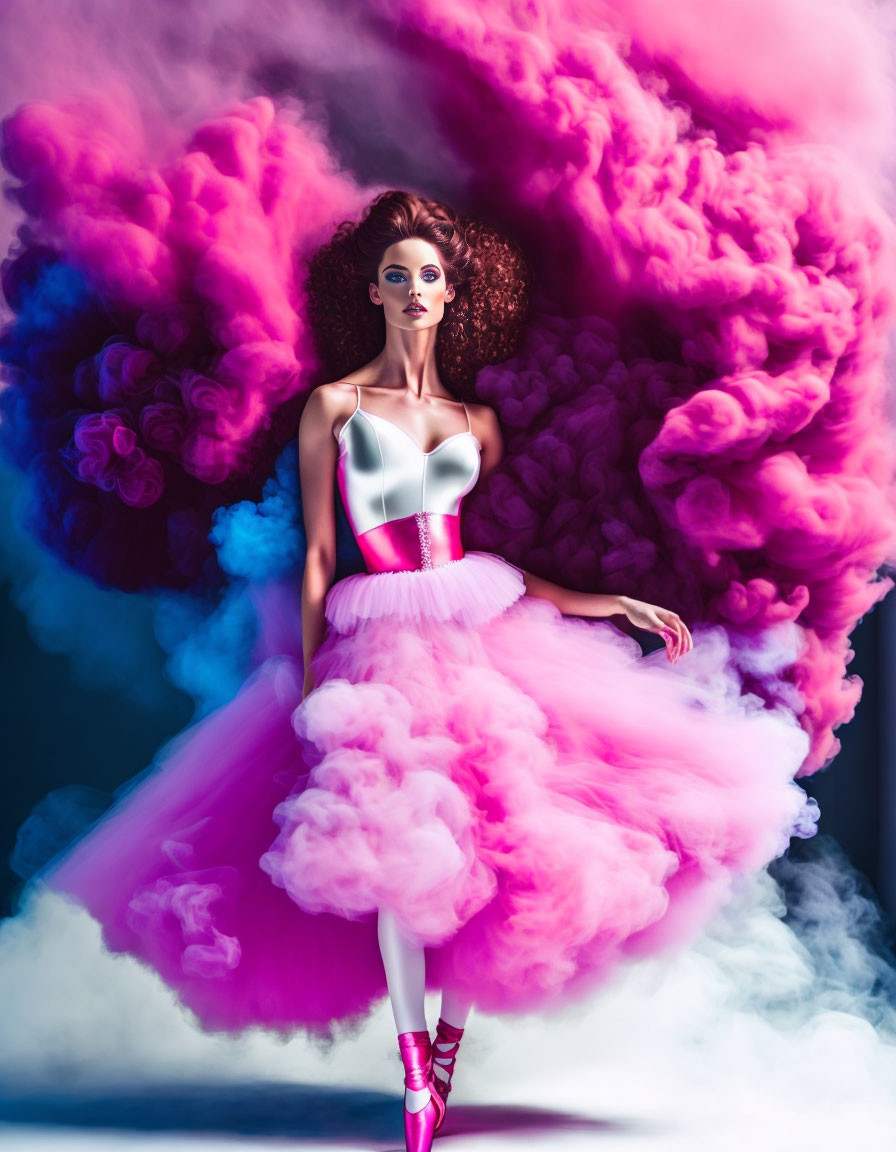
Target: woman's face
411,273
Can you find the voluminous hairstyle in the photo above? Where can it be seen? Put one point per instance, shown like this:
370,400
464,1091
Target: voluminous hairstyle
482,325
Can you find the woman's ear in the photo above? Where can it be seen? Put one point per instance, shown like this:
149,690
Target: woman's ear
374,293
449,292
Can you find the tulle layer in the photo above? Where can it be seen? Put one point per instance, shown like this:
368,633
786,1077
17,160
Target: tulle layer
535,801
531,797
468,591
171,873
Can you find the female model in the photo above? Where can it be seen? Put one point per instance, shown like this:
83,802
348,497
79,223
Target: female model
402,389
495,792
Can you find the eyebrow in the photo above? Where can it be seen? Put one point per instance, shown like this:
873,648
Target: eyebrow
403,269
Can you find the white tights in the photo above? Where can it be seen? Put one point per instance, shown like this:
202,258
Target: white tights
405,965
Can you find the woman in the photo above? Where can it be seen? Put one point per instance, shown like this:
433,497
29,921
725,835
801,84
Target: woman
495,792
405,451
417,275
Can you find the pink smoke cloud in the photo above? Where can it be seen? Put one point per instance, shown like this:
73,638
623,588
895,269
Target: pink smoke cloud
741,463
699,415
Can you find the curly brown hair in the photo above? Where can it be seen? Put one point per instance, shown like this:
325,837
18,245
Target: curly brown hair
482,325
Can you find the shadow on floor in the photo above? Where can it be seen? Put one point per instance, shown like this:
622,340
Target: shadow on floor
373,1119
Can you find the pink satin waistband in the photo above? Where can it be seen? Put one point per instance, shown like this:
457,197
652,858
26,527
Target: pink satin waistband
423,540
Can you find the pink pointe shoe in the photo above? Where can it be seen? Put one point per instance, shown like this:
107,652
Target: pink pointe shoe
446,1034
416,1056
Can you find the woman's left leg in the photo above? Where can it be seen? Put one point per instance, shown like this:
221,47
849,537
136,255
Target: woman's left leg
455,1009
453,1016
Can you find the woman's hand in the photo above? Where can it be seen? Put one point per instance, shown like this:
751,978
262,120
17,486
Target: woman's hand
669,624
662,620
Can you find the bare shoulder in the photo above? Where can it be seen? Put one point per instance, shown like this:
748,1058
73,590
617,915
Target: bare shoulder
484,420
329,406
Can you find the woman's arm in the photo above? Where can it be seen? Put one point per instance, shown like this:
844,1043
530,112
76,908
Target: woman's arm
317,467
651,617
571,603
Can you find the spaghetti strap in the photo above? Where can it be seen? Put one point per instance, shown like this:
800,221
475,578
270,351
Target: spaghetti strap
358,389
469,425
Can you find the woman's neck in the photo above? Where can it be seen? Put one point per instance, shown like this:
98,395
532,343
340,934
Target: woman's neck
408,362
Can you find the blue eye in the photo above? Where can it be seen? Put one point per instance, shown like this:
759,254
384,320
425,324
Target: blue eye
396,277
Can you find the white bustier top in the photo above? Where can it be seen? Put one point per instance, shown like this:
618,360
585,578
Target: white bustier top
384,475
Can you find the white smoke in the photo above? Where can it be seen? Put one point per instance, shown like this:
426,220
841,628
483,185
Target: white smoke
775,1030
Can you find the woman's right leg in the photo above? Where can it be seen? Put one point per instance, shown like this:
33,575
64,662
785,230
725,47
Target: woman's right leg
405,965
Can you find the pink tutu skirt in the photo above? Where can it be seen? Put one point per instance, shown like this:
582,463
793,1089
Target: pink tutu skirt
534,800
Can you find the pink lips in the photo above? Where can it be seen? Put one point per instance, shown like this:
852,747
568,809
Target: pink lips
414,308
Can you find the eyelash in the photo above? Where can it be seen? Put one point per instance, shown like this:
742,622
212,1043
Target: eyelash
389,276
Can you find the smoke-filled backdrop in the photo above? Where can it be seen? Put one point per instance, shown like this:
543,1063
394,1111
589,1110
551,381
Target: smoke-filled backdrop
699,415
